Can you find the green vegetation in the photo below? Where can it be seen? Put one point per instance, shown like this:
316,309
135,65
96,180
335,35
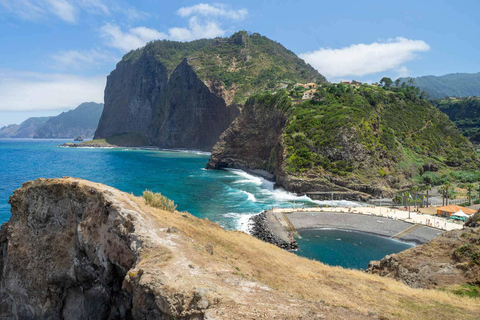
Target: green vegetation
468,291
157,200
347,128
450,85
128,139
371,134
465,113
244,63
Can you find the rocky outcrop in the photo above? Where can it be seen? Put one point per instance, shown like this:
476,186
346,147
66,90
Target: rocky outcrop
133,93
74,249
192,116
176,112
450,260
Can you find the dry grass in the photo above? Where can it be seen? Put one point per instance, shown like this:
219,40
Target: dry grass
314,281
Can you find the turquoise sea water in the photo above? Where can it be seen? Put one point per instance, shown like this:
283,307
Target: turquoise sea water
346,248
227,197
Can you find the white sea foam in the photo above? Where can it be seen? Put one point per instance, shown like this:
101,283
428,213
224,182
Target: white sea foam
250,196
247,178
242,220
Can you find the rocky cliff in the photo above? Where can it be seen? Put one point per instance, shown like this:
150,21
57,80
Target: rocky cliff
449,261
357,141
74,249
184,95
81,121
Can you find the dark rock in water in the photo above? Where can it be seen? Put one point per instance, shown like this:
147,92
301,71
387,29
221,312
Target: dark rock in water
260,230
78,139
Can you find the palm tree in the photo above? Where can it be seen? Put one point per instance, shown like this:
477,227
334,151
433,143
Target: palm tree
407,200
443,188
415,191
447,186
470,188
427,188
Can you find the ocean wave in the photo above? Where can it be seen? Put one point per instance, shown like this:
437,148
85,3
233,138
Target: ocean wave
250,196
242,220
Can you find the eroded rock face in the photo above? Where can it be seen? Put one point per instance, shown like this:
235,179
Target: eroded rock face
176,112
449,260
133,93
66,254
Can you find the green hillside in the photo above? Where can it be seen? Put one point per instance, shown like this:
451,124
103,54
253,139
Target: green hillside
465,113
373,132
243,63
450,85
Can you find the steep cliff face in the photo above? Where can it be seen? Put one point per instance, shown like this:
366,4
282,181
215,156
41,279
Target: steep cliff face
74,249
192,117
133,92
184,95
452,259
254,139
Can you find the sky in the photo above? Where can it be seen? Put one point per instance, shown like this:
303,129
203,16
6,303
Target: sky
56,54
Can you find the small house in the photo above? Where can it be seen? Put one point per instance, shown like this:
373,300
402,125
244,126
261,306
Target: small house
308,95
447,211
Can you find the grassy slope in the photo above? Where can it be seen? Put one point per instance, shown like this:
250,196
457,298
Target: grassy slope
237,253
246,62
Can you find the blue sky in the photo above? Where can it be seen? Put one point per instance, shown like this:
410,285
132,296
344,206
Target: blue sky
55,54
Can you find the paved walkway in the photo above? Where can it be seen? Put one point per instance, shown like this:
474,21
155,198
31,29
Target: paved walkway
394,214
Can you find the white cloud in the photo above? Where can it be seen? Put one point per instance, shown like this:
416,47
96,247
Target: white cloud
196,30
135,38
63,9
67,10
132,39
216,10
364,59
27,91
202,23
83,59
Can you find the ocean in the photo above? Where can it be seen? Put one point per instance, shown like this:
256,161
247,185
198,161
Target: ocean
229,197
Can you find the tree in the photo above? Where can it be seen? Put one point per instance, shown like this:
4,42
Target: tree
397,199
470,188
443,188
447,186
386,82
411,81
397,83
406,194
415,190
427,188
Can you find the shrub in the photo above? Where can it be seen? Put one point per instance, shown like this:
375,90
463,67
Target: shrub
157,200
